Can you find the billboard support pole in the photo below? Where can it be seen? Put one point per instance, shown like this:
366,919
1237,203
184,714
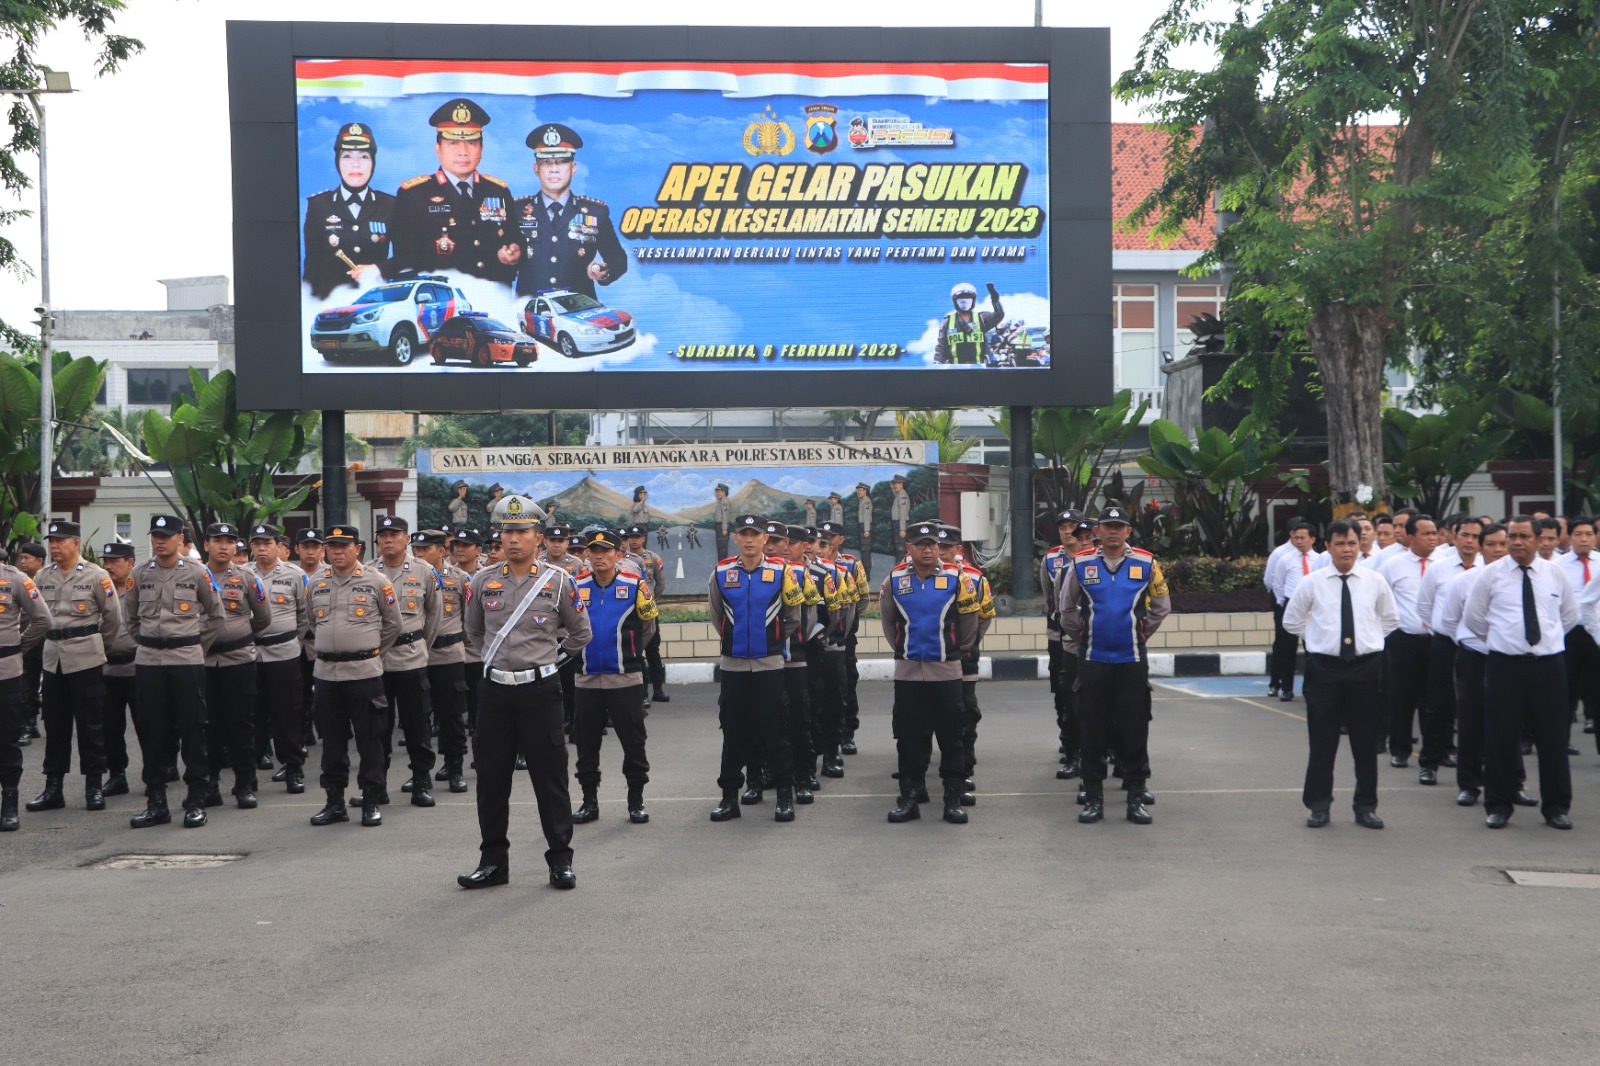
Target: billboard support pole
1021,504
335,501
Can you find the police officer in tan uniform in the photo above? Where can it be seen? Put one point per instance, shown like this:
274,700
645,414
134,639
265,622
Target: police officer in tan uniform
557,544
309,554
117,674
85,614
447,684
405,665
722,520
231,668
174,614
355,619
24,621
278,654
466,551
524,617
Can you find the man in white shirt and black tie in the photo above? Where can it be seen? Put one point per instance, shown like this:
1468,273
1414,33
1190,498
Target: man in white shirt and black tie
1522,607
1582,566
1405,666
1344,612
1439,712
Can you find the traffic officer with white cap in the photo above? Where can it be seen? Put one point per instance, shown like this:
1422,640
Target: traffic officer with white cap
524,617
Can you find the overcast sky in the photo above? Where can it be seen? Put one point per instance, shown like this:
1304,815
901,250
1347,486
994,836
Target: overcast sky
139,161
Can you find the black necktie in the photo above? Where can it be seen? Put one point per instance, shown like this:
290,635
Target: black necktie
1530,614
555,209
1347,620
465,189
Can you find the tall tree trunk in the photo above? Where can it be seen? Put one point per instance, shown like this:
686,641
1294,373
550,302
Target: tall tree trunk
1349,343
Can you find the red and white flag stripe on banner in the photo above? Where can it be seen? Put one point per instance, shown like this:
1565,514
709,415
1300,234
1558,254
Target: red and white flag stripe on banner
352,78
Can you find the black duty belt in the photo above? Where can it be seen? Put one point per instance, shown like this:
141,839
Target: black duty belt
449,640
278,638
164,643
114,658
346,656
222,647
6,653
72,631
408,638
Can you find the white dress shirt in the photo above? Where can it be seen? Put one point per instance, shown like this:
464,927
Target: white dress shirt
1450,604
1572,564
1315,610
1367,559
1494,607
1443,553
1292,569
1589,608
1438,573
1385,554
1404,572
1275,559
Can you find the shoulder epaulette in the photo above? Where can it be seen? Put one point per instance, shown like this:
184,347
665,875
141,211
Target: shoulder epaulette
902,565
729,559
491,177
412,183
590,199
1059,549
324,192
1088,551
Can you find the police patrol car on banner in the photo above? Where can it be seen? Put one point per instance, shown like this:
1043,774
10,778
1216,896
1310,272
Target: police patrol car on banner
397,317
481,341
576,324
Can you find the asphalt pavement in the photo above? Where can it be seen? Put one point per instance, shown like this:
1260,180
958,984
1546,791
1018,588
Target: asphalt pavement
1227,932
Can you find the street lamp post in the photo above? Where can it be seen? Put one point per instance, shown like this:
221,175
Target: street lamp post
55,81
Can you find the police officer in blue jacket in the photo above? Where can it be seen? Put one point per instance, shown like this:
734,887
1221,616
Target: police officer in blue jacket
1110,600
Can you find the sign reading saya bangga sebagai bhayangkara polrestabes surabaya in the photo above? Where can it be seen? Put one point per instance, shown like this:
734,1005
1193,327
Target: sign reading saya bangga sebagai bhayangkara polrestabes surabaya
644,456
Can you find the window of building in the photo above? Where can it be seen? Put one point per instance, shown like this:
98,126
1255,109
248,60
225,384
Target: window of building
152,386
124,527
1133,329
1192,301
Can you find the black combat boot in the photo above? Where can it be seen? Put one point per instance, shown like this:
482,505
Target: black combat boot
8,810
51,798
213,795
588,810
246,798
636,812
659,695
811,776
969,793
194,815
458,783
1094,806
922,791
155,810
728,808
294,780
94,798
906,809
1138,813
953,812
334,811
832,765
420,796
802,794
370,814
783,808
116,785
752,794
1070,768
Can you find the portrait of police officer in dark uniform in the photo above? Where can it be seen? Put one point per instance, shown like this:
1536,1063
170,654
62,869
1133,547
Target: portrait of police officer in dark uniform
347,230
568,241
457,217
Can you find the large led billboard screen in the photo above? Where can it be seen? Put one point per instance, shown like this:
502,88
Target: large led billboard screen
766,217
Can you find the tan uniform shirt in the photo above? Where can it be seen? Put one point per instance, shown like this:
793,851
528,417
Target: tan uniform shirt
245,613
568,562
556,620
835,513
175,603
416,590
722,514
122,645
81,600
470,653
449,640
24,619
864,516
285,587
354,614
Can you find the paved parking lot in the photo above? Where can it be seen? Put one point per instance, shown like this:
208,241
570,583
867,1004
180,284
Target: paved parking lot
1224,933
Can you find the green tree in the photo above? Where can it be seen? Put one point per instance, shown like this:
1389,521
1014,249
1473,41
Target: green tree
223,460
937,426
76,382
1213,485
1337,214
22,27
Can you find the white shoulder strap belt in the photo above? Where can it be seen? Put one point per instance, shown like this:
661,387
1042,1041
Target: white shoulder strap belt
516,616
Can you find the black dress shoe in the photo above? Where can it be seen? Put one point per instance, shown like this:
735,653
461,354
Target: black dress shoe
1588,725
1572,749
485,877
406,785
116,785
420,796
247,801
295,783
905,808
1497,820
1467,797
1427,776
1558,821
847,748
1083,796
522,763
803,795
264,763
458,783
1399,762
1071,768
728,808
333,811
94,797
1272,689
281,775
442,774
833,766
370,814
155,813
1316,819
1286,696
751,795
588,811
1369,820
1094,809
563,877
660,695
1522,799
194,817
783,805
969,799
639,816
1139,814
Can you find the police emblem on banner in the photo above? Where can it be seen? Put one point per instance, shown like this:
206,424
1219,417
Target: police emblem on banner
822,131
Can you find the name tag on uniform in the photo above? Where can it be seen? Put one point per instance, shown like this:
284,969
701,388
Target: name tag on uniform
1136,572
941,582
766,575
1091,575
731,579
